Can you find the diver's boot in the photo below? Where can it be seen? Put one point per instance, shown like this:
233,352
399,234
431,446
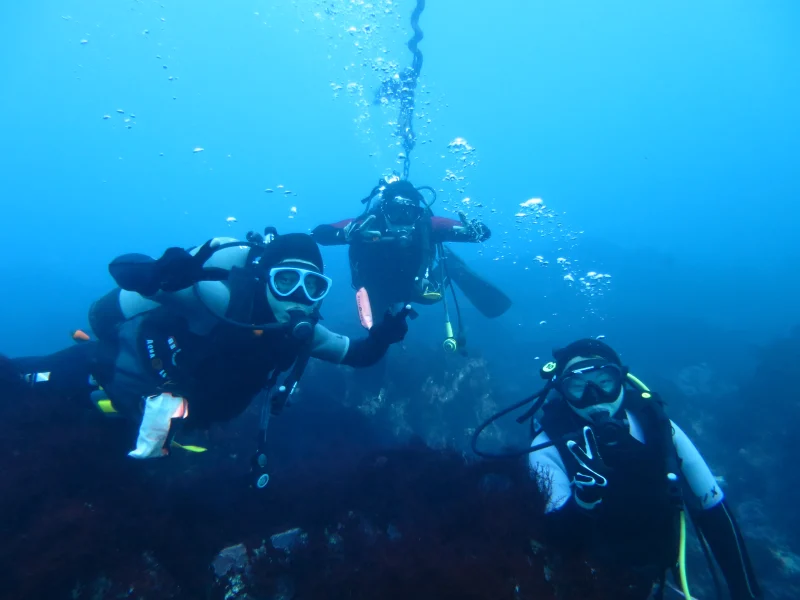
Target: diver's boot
63,374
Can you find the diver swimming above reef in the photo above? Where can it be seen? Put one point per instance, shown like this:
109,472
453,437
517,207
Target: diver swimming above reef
397,252
193,337
621,476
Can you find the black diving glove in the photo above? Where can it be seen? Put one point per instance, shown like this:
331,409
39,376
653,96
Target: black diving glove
590,481
367,351
176,270
359,231
392,329
474,230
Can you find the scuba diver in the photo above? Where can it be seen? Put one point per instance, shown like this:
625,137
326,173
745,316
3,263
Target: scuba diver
397,253
192,338
620,476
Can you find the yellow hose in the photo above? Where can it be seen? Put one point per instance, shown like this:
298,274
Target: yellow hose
682,546
638,382
682,558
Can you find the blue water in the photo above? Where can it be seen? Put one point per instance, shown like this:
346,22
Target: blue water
669,131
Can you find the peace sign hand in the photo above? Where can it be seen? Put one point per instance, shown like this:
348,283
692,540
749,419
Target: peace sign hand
590,480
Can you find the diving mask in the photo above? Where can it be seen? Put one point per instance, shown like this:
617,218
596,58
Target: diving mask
285,281
591,382
401,211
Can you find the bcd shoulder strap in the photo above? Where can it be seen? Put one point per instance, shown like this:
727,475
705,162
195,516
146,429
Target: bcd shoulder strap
244,284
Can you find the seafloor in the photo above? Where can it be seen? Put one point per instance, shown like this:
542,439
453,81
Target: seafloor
371,496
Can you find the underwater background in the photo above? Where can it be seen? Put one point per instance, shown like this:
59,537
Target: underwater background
662,140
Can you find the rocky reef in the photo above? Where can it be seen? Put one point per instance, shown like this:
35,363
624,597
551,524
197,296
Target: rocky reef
373,494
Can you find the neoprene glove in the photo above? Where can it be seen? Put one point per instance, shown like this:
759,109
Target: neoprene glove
177,269
590,480
392,329
357,231
474,229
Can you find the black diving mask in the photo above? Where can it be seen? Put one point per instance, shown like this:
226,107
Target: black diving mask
591,382
401,211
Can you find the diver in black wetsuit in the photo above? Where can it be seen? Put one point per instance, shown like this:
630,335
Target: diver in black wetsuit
620,474
397,254
194,336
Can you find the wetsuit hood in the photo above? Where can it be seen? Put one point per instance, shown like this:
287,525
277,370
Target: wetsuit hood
298,246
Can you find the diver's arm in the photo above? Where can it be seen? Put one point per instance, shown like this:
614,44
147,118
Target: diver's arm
548,468
209,279
333,234
450,230
135,273
698,477
566,526
340,349
329,346
363,352
176,270
715,520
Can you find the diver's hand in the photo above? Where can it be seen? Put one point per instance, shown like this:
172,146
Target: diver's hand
392,329
179,269
474,230
359,231
590,481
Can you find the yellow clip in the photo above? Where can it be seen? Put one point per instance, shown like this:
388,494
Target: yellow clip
188,448
106,407
638,383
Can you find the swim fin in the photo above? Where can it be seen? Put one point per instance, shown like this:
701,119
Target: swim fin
490,301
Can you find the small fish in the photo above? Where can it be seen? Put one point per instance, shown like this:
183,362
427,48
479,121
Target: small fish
231,220
198,149
268,191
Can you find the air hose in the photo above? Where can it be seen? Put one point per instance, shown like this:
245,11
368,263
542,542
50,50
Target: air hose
682,558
